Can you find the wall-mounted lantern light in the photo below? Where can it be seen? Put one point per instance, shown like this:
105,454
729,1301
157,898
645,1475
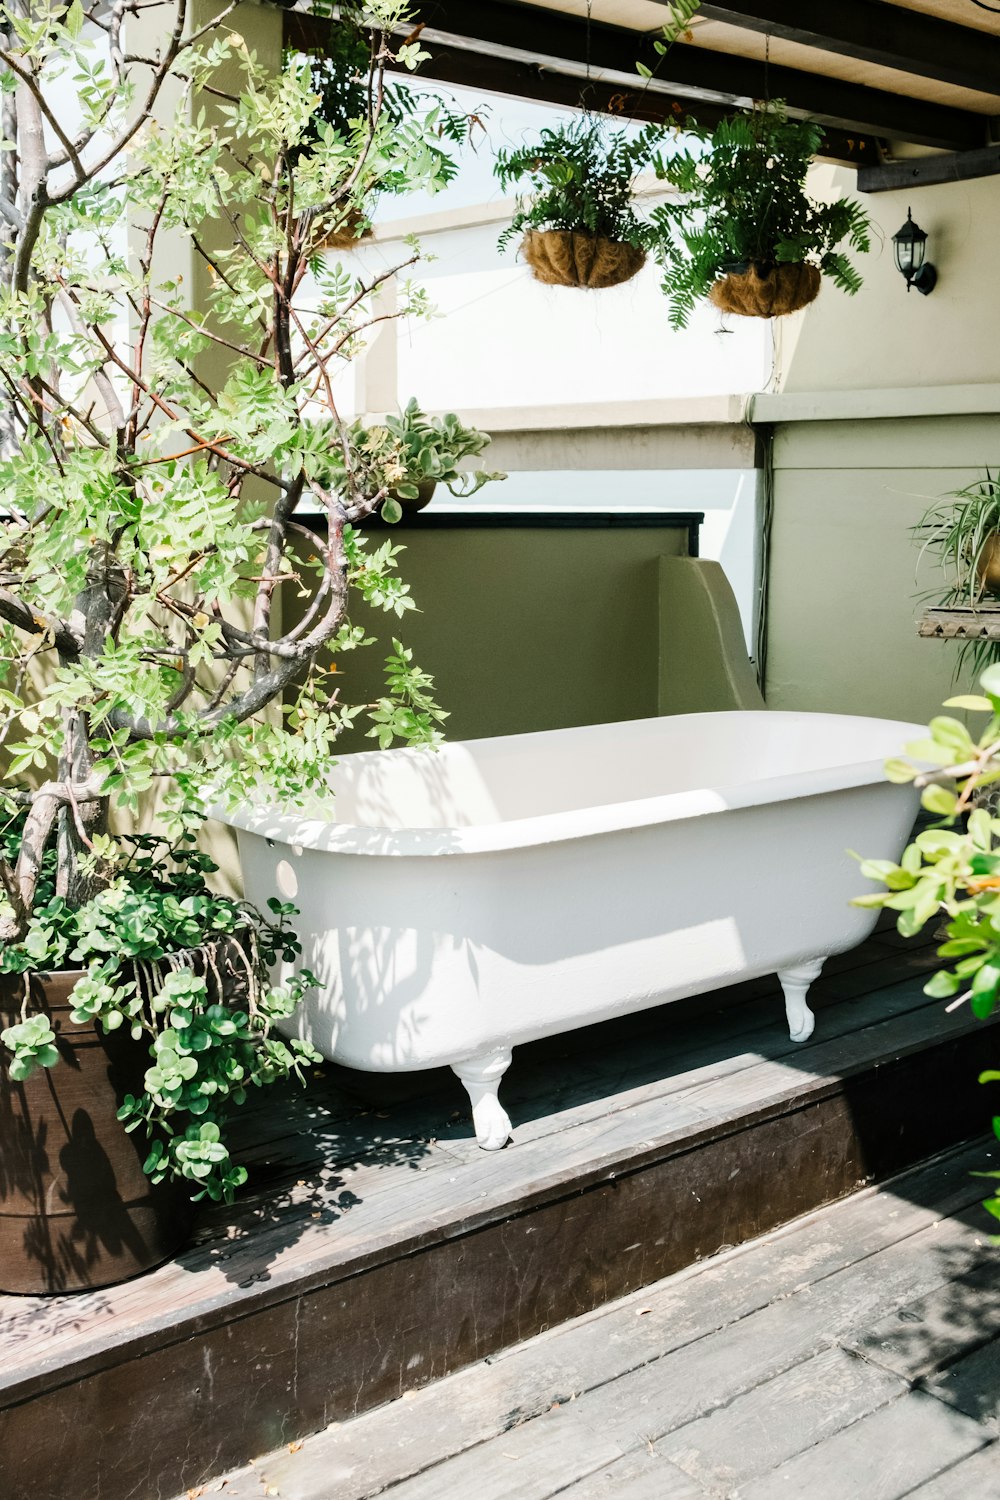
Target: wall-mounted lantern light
910,245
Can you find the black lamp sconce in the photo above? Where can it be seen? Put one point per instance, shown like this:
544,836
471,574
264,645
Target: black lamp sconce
909,245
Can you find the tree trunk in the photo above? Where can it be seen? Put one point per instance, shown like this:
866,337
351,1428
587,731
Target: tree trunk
79,823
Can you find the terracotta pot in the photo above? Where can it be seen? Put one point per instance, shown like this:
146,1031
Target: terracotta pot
572,257
766,291
76,1209
988,566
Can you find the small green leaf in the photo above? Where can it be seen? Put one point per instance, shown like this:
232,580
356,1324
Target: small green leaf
937,799
970,701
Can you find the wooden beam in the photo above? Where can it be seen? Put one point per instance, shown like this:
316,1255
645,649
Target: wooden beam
563,44
958,166
496,73
875,32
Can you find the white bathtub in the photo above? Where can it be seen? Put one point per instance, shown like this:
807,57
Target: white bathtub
455,903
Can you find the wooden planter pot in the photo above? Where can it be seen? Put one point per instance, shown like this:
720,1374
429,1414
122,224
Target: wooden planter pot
766,293
571,257
76,1209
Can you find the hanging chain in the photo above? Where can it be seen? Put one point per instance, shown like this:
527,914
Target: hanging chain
585,94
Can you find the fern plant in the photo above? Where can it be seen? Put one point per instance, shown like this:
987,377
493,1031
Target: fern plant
580,177
740,201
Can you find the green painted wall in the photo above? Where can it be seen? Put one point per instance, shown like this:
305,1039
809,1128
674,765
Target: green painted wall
843,595
847,489
525,628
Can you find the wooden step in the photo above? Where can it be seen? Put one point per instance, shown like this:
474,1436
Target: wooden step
379,1250
717,1377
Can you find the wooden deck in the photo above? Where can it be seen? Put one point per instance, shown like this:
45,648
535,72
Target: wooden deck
853,1355
379,1250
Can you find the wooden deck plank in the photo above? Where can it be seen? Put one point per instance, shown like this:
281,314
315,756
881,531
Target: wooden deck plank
774,1420
972,1384
881,1457
975,1478
722,1327
412,1210
932,1331
643,1475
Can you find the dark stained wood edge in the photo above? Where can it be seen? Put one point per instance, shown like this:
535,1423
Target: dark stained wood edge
929,171
874,32
184,1412
473,519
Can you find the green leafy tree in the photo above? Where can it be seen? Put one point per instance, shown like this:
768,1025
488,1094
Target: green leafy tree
149,502
156,465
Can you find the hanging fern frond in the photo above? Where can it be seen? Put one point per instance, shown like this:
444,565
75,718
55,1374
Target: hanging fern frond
739,199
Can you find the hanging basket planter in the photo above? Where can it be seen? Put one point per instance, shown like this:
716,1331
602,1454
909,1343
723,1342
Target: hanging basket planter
571,257
352,230
779,290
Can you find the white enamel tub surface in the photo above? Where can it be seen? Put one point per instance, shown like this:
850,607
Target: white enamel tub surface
454,903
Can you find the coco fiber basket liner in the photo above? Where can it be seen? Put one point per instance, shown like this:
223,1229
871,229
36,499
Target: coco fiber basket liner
346,236
783,289
569,257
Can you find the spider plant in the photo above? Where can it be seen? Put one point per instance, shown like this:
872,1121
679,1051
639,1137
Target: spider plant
960,531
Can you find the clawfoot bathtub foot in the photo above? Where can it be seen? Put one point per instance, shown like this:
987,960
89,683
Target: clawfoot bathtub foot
481,1077
795,982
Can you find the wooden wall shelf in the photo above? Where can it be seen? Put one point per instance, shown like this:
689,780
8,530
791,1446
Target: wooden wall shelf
961,623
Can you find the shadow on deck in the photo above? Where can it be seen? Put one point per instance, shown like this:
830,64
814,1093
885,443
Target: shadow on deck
378,1249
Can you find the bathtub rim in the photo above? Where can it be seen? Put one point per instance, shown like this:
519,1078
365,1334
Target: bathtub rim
324,835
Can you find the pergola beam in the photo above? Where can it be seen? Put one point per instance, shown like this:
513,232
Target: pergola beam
562,43
928,171
875,32
505,33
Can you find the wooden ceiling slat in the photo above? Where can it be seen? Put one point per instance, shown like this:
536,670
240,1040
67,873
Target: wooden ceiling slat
555,40
518,78
874,32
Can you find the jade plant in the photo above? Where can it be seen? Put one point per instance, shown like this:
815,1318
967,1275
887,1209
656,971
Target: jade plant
951,870
156,455
417,449
739,201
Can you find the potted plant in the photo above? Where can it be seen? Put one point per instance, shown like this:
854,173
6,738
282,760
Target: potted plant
579,223
152,1003
962,532
422,452
578,217
741,228
952,869
154,459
